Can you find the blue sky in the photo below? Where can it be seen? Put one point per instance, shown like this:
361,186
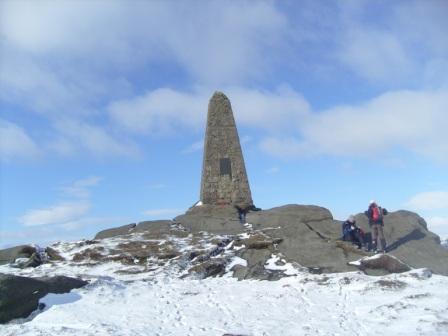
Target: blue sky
103,107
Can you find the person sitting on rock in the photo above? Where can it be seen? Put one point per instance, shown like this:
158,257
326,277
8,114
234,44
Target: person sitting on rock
375,214
352,233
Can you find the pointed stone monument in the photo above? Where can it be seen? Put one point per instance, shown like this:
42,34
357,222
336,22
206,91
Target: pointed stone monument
224,179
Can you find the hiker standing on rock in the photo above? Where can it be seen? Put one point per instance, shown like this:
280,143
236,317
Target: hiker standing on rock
352,233
241,206
375,214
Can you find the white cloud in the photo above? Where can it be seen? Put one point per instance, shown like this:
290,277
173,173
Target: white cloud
194,147
212,42
157,186
162,213
91,222
80,188
66,213
277,110
166,110
245,139
430,200
376,55
387,48
16,143
58,214
285,147
96,141
438,222
45,235
411,120
159,111
62,67
273,170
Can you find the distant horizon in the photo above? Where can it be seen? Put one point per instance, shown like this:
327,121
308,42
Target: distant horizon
103,108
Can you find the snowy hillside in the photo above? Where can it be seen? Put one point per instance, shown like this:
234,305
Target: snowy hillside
162,298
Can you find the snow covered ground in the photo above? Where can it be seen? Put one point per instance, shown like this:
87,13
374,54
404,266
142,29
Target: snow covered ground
159,302
339,304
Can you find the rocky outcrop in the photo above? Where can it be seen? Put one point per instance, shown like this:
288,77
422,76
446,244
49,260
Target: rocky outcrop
53,255
311,238
211,218
11,254
209,268
409,240
118,231
308,234
305,235
19,296
256,265
34,261
156,228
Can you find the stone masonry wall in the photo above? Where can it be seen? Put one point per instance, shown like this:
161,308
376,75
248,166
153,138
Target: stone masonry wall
224,178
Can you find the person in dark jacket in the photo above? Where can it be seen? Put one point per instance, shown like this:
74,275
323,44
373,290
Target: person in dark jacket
351,232
376,214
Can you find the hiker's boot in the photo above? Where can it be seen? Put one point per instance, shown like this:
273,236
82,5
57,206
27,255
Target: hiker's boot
383,245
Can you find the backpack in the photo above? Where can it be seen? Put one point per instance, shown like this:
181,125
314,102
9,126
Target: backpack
377,214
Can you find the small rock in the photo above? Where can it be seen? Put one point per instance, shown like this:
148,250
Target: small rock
53,254
34,261
210,268
384,262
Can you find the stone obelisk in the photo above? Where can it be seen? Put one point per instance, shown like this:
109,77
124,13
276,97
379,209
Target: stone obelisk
224,179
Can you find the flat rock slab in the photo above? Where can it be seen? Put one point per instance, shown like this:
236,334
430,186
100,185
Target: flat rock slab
114,232
211,218
19,296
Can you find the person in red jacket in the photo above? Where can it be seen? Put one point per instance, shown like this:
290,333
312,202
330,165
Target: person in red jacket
376,214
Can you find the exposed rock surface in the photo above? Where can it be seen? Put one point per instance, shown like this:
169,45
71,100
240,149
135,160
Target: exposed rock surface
11,254
256,262
34,261
157,227
19,296
309,236
304,234
382,264
409,240
209,268
53,254
118,231
211,218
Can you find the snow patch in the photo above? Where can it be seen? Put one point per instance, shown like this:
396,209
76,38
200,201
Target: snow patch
236,261
275,263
